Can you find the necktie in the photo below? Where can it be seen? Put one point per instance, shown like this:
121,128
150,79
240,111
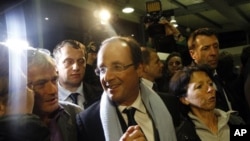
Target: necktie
73,96
130,114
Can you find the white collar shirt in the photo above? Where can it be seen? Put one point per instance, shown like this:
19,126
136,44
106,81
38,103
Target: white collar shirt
64,95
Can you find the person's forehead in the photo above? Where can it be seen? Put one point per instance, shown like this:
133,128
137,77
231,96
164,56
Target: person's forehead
39,73
115,49
204,39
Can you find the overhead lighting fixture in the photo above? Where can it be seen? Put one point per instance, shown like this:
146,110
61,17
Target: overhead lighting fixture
128,9
173,21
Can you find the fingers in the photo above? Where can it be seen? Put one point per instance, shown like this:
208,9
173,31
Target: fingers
133,133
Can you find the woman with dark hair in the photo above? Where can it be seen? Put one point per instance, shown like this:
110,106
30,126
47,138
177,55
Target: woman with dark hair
200,119
172,64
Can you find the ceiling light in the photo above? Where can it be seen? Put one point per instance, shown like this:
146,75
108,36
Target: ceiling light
128,9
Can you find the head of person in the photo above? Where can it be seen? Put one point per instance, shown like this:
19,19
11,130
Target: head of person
203,47
42,78
194,87
245,56
173,63
91,53
70,57
152,65
15,96
119,65
226,67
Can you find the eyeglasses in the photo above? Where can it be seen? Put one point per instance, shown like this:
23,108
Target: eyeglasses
112,68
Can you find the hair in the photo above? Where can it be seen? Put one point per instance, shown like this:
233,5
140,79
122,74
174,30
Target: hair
39,58
173,54
225,67
200,31
133,46
75,44
180,80
146,52
245,56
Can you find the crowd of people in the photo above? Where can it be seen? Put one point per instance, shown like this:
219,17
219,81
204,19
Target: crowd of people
122,91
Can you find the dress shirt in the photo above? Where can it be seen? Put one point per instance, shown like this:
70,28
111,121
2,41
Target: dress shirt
64,95
142,118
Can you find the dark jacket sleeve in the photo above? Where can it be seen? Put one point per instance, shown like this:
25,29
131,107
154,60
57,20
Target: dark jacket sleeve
89,124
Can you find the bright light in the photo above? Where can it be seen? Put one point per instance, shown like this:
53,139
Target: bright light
173,21
46,18
104,16
17,43
128,10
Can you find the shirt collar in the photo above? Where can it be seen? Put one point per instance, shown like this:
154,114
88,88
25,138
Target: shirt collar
138,104
64,93
147,82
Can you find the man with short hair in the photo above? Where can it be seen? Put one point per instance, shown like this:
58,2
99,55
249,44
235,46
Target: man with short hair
70,57
42,78
152,67
125,101
204,48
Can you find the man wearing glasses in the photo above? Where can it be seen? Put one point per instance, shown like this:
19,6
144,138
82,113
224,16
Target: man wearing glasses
125,103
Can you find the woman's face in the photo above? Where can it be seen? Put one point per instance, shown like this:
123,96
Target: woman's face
200,92
174,64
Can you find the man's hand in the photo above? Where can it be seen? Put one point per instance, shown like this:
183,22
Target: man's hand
133,133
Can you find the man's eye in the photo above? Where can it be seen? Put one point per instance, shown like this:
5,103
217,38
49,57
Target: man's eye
81,61
118,67
68,61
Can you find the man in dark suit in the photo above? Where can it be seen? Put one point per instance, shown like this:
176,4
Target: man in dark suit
152,69
204,48
119,65
70,57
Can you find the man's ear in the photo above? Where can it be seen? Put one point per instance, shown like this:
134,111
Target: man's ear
184,101
192,54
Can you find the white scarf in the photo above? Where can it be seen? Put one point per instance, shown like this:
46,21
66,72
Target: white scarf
154,105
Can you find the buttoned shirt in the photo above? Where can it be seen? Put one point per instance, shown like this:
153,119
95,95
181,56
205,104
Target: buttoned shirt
64,95
141,116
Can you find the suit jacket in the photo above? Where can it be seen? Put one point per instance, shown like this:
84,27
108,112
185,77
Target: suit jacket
91,94
90,126
26,127
172,103
67,121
